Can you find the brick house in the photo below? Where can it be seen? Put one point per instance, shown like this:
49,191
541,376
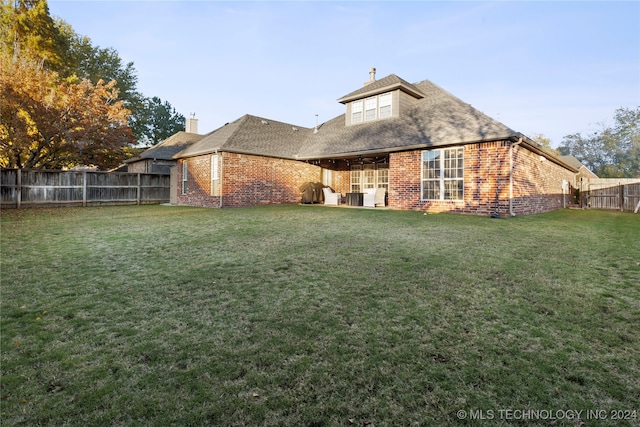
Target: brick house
428,149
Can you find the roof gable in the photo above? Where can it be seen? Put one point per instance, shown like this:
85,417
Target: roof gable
389,83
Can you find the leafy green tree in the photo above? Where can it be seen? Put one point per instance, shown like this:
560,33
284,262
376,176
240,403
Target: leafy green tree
27,30
160,121
613,151
151,119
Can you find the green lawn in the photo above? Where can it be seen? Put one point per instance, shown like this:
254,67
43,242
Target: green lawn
318,316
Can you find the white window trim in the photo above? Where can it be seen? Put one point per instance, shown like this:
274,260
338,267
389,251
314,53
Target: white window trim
357,183
215,175
373,106
441,179
185,176
359,108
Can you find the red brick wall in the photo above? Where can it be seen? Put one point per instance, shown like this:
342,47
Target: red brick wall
246,180
537,184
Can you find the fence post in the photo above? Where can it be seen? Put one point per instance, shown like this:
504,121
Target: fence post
138,192
84,188
19,188
621,187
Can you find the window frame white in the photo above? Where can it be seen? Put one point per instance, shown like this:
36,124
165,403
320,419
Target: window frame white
215,175
385,100
372,108
185,176
357,111
442,174
366,176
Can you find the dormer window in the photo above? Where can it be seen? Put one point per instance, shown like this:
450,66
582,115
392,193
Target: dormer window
356,112
379,100
384,102
372,108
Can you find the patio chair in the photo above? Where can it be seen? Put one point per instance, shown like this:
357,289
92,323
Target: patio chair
373,197
331,198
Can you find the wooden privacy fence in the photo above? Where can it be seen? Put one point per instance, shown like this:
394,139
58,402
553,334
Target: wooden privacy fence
21,188
611,193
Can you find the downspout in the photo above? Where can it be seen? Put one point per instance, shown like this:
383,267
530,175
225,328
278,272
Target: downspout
511,175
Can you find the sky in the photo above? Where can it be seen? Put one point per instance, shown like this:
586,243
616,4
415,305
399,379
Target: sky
543,67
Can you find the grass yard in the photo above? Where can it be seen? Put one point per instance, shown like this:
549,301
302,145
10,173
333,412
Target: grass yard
318,316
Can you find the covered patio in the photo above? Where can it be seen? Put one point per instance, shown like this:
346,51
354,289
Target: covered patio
354,181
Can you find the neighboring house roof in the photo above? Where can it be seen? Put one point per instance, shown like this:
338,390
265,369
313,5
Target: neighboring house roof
251,135
578,165
166,149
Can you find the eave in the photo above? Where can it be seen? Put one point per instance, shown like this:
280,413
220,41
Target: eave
397,85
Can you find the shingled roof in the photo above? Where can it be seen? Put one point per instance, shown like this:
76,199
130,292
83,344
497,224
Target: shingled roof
436,119
251,135
391,82
166,149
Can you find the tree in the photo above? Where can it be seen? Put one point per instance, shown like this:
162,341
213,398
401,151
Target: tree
160,121
612,151
151,119
53,123
544,142
27,29
29,35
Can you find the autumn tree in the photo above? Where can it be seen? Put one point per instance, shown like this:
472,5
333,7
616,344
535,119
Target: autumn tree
612,151
544,142
151,119
27,30
50,122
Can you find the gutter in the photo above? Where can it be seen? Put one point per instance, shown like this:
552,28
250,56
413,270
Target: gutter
511,175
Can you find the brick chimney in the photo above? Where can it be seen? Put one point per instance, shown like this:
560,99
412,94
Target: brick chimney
372,76
192,124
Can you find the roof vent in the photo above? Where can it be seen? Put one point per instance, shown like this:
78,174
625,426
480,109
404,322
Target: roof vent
295,129
264,122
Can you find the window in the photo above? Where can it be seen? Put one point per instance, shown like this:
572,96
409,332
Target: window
443,174
384,102
375,107
370,106
383,178
356,112
356,176
215,177
369,176
185,172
